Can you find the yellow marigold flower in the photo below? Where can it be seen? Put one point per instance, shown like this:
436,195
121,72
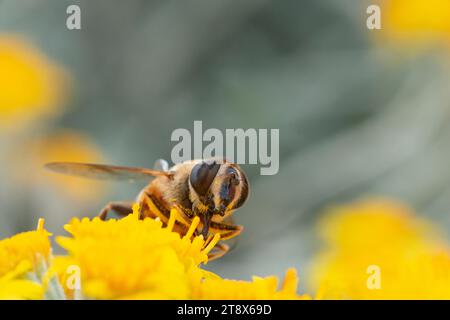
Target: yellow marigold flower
20,289
390,223
415,23
132,258
61,269
32,87
13,286
63,145
378,249
31,246
140,259
21,255
215,288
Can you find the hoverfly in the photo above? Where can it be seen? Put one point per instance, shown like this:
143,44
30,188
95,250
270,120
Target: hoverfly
210,189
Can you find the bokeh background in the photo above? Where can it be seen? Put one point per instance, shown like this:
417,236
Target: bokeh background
361,112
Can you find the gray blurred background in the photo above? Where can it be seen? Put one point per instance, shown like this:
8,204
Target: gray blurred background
356,116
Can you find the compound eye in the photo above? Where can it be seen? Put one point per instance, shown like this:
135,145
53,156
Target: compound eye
232,174
202,176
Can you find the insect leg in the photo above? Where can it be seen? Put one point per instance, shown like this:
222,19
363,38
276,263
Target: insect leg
159,209
185,213
122,208
152,207
226,231
185,217
219,251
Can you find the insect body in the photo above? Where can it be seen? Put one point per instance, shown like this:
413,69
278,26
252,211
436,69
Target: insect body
210,189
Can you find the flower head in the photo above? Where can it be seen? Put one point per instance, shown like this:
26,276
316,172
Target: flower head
32,86
259,288
27,160
14,285
142,259
410,261
21,258
133,258
26,247
417,20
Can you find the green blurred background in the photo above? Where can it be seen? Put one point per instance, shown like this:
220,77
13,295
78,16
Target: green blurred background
360,112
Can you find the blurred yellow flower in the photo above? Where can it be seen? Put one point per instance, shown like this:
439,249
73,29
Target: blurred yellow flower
380,242
21,255
27,163
140,259
415,23
32,87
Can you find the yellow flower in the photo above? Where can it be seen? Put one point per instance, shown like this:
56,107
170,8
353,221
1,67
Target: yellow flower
378,249
131,258
416,24
215,288
140,259
13,286
31,246
32,87
63,145
22,255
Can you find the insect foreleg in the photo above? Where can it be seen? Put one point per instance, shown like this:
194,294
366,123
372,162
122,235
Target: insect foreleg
122,208
226,231
219,250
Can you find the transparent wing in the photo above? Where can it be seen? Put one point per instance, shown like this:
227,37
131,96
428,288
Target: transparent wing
104,172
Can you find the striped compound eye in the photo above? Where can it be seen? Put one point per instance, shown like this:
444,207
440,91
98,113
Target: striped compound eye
202,176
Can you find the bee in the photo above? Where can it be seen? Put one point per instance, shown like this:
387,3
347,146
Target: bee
210,189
